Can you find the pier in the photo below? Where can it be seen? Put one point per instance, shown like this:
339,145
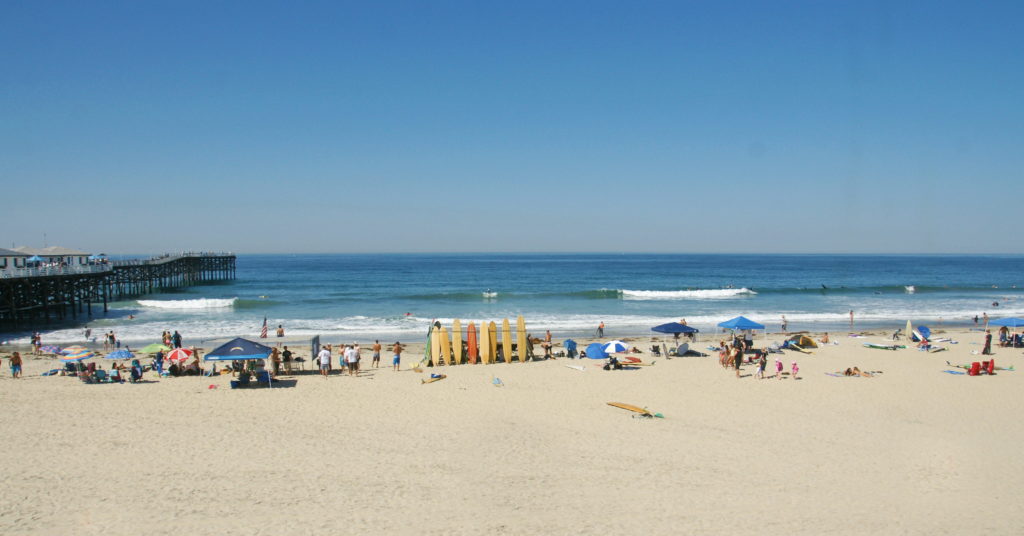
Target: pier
32,296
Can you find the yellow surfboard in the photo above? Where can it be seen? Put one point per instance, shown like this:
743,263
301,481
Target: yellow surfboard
446,349
485,344
432,380
435,346
493,340
635,409
521,342
506,340
456,342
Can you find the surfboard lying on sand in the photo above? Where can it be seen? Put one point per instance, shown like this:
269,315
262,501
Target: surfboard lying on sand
877,346
434,379
635,409
798,348
576,367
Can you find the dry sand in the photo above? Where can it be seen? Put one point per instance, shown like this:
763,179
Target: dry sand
912,450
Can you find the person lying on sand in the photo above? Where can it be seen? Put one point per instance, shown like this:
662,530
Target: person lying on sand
857,372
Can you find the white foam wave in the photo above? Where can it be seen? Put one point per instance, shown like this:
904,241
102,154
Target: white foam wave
700,294
200,303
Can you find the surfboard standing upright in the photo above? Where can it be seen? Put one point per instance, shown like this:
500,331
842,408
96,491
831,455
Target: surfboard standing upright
446,348
521,342
471,350
506,340
456,342
492,339
435,346
485,344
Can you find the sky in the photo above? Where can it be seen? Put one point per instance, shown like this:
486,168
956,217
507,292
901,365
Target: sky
593,126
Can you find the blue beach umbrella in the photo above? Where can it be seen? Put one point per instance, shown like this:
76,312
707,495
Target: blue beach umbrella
1012,322
570,345
674,327
596,351
120,354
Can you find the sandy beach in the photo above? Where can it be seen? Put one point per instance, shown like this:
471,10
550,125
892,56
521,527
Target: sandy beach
911,450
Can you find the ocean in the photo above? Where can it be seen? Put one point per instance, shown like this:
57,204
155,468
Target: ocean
396,296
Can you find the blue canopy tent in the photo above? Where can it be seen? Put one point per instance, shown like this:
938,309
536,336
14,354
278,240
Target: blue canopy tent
674,327
596,351
740,322
570,347
923,330
238,349
1012,322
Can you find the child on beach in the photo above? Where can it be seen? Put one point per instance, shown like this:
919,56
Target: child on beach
778,368
762,363
795,370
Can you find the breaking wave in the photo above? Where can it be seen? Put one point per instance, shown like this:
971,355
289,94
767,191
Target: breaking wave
200,303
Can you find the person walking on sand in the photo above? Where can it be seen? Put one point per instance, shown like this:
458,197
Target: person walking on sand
737,357
600,329
778,368
762,363
352,359
984,317
987,350
15,365
376,354
397,360
795,370
785,324
176,339
324,358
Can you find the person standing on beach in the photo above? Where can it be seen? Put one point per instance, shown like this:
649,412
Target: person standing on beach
286,356
851,318
15,365
600,329
987,350
376,354
785,324
984,317
762,362
280,330
397,360
352,360
324,357
737,360
176,339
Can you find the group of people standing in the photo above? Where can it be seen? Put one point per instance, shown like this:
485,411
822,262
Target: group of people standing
171,339
350,357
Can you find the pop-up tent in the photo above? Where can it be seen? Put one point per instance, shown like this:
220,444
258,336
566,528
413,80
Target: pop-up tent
596,351
674,327
740,322
238,349
1008,322
570,347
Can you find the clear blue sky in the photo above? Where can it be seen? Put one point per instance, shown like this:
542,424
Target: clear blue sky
512,126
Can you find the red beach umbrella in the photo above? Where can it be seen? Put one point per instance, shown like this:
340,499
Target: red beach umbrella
178,354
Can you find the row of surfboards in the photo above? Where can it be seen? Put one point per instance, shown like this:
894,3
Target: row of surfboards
445,347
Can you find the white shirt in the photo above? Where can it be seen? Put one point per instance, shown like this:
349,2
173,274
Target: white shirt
352,355
324,356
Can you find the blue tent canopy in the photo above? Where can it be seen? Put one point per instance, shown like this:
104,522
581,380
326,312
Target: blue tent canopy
570,345
238,349
1012,322
596,351
674,327
740,322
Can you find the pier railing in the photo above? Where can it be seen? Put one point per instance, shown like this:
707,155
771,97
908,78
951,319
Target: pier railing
46,271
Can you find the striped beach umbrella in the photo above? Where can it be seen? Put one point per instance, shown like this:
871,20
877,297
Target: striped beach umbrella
50,349
120,354
179,354
85,354
74,350
615,347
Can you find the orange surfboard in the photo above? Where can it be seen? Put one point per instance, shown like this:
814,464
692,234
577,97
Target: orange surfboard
471,350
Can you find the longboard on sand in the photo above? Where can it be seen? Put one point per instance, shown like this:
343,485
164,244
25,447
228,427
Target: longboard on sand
446,349
577,367
471,349
456,342
521,342
434,379
877,346
506,340
636,409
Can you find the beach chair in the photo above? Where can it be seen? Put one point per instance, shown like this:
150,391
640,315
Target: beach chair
656,350
990,366
975,369
242,381
101,376
263,376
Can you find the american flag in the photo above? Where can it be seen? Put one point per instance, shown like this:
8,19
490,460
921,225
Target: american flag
263,332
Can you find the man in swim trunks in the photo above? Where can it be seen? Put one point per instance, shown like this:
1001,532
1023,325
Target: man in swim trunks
325,360
376,354
397,360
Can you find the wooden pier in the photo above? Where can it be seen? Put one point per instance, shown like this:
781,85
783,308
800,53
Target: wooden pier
30,297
